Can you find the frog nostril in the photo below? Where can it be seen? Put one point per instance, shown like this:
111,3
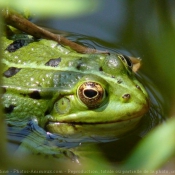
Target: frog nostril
138,87
119,81
126,96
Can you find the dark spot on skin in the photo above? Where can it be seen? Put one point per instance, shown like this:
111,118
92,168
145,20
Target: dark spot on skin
53,62
100,69
79,66
11,72
3,90
35,95
9,109
112,76
16,45
126,96
119,81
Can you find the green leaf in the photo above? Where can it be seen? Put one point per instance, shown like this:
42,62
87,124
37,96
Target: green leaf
155,149
60,8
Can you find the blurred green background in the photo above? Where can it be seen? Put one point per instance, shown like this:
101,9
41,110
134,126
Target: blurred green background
141,28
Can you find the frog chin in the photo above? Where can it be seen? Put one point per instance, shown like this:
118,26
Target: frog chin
105,130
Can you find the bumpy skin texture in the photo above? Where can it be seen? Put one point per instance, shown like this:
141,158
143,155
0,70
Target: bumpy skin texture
48,82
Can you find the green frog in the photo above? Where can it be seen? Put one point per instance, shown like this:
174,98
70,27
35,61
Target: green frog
68,94
71,93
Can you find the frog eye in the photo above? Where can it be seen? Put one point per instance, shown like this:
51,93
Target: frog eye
91,94
126,61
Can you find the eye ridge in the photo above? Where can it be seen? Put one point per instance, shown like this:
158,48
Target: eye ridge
127,60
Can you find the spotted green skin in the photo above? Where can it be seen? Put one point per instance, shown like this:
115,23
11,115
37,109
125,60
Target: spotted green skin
49,94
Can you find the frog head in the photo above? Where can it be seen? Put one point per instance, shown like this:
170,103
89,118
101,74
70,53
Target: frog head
101,97
72,94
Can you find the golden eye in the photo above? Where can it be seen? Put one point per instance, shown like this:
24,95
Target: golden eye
91,94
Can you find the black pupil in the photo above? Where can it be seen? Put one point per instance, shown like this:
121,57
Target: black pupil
90,93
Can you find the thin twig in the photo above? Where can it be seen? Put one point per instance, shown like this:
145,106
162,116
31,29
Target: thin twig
18,21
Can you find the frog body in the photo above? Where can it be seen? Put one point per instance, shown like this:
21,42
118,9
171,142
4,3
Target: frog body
69,93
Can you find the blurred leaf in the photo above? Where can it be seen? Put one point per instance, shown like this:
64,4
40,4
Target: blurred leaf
155,150
2,125
163,52
61,8
152,35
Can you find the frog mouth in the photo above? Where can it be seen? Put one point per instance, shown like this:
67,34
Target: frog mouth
108,129
88,123
70,124
113,129
51,121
